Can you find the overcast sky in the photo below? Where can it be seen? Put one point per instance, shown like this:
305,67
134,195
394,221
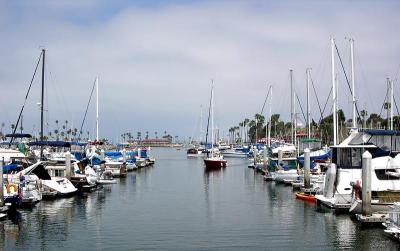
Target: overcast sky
155,59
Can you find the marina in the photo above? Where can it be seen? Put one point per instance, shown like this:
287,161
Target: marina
232,209
199,125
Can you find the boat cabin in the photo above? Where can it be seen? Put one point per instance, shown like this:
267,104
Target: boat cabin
379,143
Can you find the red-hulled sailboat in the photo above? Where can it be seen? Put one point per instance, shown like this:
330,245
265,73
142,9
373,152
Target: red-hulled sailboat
214,159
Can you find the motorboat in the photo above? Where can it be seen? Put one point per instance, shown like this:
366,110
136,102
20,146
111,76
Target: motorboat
52,186
194,152
105,178
346,169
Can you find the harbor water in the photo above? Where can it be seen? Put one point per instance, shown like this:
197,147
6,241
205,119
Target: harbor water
176,205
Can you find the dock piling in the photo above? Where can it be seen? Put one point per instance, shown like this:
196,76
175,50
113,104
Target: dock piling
1,184
280,156
366,183
307,181
68,171
265,158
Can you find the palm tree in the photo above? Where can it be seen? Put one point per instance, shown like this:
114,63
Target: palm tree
56,133
156,134
12,127
246,129
57,123
75,132
147,134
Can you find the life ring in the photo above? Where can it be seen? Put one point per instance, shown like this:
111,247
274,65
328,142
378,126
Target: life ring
12,185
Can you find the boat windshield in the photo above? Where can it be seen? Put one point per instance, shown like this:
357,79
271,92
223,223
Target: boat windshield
360,139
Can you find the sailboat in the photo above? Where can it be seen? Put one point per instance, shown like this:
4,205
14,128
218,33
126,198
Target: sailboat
214,159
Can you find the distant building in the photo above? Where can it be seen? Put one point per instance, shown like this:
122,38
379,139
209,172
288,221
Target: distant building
164,142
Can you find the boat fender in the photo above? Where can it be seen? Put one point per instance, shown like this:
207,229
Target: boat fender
14,186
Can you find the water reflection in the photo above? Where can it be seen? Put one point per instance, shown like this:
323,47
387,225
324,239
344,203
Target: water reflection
211,177
162,208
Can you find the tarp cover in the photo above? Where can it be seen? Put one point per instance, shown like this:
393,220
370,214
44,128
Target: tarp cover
18,135
10,167
50,143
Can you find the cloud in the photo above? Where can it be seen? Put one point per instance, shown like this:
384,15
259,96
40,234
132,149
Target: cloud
156,61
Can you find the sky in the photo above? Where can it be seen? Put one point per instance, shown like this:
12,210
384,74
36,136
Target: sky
156,59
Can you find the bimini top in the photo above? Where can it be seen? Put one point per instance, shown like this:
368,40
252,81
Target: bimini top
380,132
76,143
50,143
18,135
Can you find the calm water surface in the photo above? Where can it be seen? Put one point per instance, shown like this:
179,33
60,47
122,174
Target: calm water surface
176,205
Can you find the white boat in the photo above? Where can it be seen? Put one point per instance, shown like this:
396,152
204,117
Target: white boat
289,175
392,223
235,153
194,152
115,167
347,156
106,178
130,166
52,186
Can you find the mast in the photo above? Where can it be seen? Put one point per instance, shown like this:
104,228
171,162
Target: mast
270,118
42,104
291,106
212,119
353,82
208,120
333,90
308,104
201,123
97,109
391,104
294,120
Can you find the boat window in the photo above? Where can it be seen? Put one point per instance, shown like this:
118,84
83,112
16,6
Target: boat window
356,157
59,173
382,174
347,157
396,143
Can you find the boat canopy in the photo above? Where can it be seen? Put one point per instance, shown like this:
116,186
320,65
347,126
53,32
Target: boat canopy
76,143
10,167
8,143
18,135
380,132
307,140
50,143
112,154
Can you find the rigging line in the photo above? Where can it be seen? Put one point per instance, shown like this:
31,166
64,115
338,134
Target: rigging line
266,98
301,108
395,103
316,96
383,104
26,98
345,74
87,107
323,111
208,121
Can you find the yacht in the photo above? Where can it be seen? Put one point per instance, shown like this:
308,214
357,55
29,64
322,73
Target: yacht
346,170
